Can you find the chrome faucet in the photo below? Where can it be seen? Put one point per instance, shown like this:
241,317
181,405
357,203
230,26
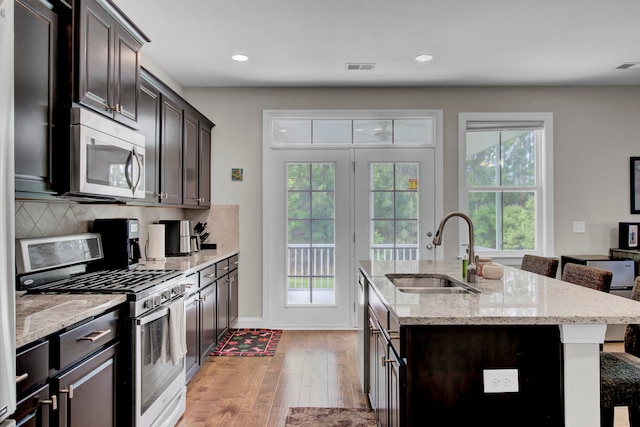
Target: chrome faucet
437,240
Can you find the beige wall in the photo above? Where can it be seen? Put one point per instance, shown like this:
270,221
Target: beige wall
596,130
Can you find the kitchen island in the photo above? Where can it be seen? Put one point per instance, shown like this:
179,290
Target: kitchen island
547,330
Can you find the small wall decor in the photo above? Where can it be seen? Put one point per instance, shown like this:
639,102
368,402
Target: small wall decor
237,174
628,235
635,185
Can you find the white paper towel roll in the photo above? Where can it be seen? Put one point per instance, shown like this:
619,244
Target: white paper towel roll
155,242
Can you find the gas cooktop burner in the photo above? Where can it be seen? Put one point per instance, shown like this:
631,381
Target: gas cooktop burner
109,281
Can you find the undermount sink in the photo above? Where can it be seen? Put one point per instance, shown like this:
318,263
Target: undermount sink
429,284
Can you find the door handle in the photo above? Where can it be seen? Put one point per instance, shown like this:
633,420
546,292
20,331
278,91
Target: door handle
429,246
127,171
139,162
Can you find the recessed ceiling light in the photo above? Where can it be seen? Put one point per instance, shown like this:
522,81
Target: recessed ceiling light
240,58
424,58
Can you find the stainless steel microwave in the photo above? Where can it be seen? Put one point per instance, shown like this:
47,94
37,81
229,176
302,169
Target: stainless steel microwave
107,158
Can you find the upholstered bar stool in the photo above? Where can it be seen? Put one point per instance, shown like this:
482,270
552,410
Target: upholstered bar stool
620,375
540,265
590,277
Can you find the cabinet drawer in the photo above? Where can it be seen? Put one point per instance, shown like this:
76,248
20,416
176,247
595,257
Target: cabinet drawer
233,262
222,267
207,275
87,338
192,282
32,367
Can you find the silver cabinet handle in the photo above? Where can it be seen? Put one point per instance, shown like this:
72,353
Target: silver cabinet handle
93,338
22,377
210,276
225,268
69,391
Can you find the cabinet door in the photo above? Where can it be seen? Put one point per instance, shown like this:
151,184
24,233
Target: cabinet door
395,388
126,77
204,170
381,378
95,63
171,152
36,29
190,153
149,126
34,409
233,298
374,360
223,307
208,304
87,392
192,362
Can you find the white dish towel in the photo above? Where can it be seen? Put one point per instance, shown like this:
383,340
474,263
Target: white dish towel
175,335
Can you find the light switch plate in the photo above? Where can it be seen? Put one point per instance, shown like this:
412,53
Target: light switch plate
500,380
579,226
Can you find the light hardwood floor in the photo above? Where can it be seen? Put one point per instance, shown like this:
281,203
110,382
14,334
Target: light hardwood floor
310,368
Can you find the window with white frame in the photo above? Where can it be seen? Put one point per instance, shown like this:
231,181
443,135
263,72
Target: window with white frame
506,181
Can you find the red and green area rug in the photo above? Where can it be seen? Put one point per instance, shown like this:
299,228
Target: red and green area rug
249,342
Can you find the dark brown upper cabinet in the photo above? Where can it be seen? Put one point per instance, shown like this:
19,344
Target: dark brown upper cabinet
178,147
107,61
36,92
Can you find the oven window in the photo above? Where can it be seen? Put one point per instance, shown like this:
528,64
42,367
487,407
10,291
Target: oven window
158,371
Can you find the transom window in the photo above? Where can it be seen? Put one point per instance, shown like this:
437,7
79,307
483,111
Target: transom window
506,182
365,128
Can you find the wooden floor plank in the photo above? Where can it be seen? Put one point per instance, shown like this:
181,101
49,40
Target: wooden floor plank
310,368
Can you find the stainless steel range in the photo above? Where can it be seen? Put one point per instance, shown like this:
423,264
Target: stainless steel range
63,264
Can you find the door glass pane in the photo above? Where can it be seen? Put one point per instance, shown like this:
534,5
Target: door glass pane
394,211
332,132
413,131
372,132
311,233
291,131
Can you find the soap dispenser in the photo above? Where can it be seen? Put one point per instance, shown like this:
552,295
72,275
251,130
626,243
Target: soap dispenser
465,261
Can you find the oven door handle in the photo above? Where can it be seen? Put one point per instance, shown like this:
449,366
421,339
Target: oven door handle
153,316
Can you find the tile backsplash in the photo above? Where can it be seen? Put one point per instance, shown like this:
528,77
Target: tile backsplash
42,219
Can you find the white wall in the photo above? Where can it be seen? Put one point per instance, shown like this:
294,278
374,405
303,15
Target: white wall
596,130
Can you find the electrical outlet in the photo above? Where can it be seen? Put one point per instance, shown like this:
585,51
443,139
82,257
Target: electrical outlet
500,380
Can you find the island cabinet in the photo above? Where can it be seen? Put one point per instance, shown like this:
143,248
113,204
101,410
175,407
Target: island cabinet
433,375
107,61
178,147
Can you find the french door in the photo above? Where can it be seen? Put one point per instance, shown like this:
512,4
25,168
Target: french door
308,249
394,204
327,209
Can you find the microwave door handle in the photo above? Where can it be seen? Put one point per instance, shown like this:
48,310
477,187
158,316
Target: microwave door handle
127,166
139,162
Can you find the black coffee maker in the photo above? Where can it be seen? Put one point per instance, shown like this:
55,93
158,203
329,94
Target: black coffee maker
120,241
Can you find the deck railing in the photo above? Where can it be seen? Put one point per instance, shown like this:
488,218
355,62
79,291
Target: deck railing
317,262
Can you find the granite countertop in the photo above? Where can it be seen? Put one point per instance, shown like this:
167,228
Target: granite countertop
189,264
519,298
39,315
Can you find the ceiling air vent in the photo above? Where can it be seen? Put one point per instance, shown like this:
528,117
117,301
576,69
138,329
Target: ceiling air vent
360,66
629,66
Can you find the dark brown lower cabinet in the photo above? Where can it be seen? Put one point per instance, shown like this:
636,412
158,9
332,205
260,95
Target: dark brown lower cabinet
87,391
223,307
233,298
192,360
34,410
208,313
